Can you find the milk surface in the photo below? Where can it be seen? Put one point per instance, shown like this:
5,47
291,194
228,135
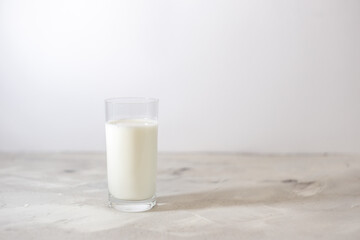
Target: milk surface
131,148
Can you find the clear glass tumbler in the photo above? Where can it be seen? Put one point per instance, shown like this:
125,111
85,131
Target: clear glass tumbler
131,150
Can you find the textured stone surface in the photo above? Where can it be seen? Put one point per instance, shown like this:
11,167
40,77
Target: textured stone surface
200,196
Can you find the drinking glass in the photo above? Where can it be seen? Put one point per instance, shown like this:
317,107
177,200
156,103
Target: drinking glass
131,151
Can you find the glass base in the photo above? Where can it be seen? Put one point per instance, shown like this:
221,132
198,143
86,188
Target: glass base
131,206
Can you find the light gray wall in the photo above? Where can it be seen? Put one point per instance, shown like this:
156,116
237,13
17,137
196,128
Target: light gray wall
250,76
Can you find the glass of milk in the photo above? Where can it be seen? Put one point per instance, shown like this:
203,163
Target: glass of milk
131,150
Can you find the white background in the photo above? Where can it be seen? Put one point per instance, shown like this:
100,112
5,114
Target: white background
233,75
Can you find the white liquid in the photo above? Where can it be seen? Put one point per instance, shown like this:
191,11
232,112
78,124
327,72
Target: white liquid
131,147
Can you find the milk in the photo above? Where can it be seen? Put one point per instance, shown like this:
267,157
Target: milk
131,147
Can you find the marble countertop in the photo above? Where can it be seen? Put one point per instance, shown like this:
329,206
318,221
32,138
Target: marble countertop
200,196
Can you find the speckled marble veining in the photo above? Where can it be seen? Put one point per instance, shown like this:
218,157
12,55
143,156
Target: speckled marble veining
200,196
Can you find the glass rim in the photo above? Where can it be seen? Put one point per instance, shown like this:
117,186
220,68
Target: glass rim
131,100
